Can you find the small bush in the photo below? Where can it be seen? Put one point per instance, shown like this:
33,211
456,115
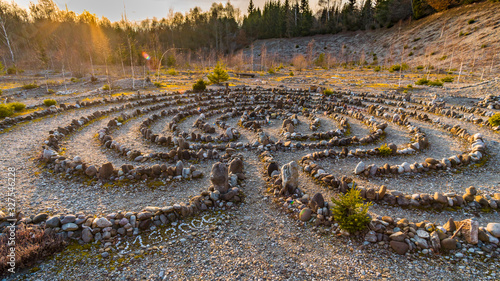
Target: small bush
200,85
106,87
377,68
471,21
30,86
93,79
120,119
483,46
447,79
320,61
410,86
291,73
422,81
420,67
296,46
435,83
384,150
5,110
75,80
416,39
271,70
350,211
49,102
494,120
328,92
395,67
444,57
13,70
172,72
158,84
410,54
50,91
17,106
32,245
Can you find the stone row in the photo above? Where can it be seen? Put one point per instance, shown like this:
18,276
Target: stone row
223,193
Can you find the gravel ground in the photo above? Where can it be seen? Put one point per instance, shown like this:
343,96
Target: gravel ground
255,240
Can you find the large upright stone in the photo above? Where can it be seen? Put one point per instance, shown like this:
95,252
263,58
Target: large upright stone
317,201
290,175
471,231
106,171
359,168
178,168
219,177
236,166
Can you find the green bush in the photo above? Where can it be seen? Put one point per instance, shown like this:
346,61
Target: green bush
75,80
271,70
219,74
158,84
50,91
422,81
483,46
320,61
447,79
49,102
200,85
471,21
17,106
350,211
106,87
291,73
420,67
13,70
328,92
395,67
377,68
435,83
410,54
172,72
410,86
494,120
416,39
30,86
5,110
384,150
2,68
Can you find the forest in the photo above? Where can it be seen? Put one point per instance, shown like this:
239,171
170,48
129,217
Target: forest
45,36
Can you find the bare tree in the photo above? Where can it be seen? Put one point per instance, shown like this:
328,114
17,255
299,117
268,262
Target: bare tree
6,39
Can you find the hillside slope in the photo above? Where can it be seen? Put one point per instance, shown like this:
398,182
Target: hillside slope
467,36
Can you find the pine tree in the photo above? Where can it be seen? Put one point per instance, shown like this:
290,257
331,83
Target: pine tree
219,74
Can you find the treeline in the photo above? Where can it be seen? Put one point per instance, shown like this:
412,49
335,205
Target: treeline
47,37
279,19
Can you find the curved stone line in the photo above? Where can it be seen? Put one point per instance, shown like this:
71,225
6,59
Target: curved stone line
88,228
402,239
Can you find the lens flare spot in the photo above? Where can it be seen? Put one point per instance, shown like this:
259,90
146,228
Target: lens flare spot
146,56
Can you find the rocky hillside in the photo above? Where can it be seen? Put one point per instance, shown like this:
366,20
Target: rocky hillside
467,36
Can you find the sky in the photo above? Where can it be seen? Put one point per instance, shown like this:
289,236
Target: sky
138,10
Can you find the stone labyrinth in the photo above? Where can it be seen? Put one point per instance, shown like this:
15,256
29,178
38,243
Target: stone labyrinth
427,166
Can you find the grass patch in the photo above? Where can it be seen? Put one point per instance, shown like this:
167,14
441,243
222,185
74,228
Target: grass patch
49,102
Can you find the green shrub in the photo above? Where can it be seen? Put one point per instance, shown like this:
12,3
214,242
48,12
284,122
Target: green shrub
296,46
106,87
291,73
444,57
422,81
50,91
158,84
200,85
5,110
350,211
328,92
384,150
471,21
320,61
17,106
494,120
120,119
410,54
30,86
435,83
483,46
416,39
271,70
49,102
377,68
75,80
410,86
447,79
172,72
219,74
420,67
2,68
405,66
13,70
395,67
